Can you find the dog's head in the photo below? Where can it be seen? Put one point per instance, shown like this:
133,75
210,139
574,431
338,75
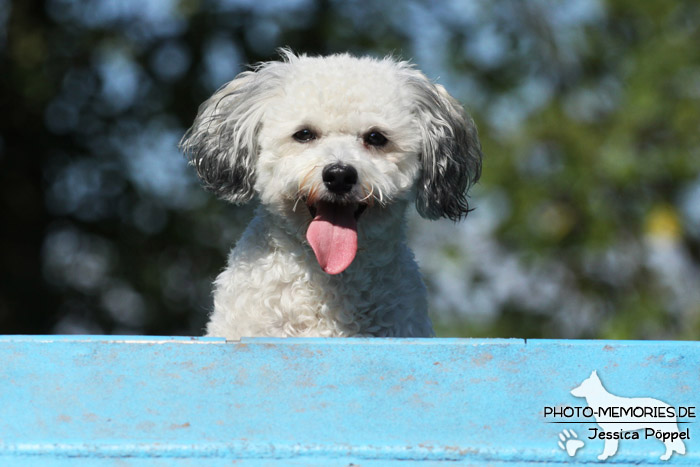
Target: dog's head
588,387
342,136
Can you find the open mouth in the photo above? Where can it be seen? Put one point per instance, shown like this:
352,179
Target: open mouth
332,234
357,213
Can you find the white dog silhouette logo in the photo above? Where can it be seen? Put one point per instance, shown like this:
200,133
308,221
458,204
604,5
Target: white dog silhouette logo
608,407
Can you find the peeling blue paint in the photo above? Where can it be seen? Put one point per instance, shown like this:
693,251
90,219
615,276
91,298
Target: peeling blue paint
204,401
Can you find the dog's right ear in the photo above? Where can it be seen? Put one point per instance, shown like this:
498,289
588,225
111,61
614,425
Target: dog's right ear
222,143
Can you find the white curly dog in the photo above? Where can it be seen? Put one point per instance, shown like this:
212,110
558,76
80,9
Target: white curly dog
334,148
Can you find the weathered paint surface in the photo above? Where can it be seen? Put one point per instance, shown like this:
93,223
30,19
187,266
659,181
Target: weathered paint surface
202,401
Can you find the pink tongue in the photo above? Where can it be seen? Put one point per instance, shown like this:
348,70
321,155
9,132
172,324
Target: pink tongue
333,236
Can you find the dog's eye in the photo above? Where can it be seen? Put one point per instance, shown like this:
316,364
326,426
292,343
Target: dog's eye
305,135
375,138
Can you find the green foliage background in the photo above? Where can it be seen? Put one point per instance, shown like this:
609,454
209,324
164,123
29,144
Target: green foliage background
588,212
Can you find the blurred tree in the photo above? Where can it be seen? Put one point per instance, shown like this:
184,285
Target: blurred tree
600,178
588,213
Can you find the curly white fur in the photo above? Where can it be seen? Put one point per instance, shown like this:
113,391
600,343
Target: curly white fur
243,144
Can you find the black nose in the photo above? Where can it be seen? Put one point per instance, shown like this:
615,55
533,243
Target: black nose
339,178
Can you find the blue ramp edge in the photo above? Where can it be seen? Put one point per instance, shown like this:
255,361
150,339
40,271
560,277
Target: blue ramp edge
144,400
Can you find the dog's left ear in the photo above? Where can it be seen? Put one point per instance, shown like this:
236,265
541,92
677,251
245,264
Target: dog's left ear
451,153
222,143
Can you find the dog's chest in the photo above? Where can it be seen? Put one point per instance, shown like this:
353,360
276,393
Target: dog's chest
273,285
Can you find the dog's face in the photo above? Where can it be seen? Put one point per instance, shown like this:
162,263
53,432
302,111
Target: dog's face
340,132
327,142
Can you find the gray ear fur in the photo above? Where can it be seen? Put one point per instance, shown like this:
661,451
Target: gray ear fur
222,142
451,154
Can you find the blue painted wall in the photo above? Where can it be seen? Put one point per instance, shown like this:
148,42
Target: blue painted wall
204,401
